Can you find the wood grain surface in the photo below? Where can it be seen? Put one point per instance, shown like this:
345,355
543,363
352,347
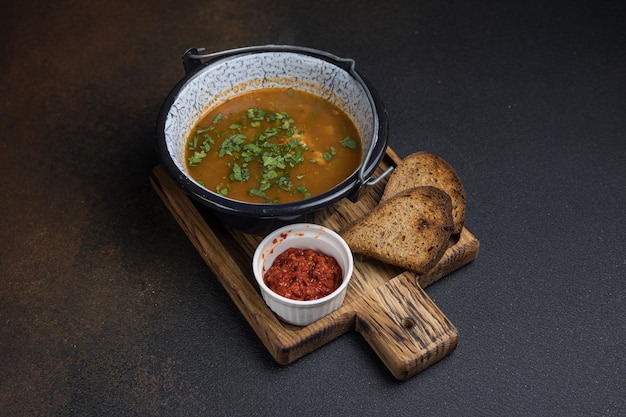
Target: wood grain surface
386,305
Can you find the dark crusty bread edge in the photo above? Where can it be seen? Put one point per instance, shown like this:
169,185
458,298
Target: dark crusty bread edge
448,180
438,248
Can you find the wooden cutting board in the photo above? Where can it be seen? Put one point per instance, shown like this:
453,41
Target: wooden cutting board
386,305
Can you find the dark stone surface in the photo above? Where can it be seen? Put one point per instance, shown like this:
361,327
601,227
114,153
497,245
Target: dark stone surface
106,309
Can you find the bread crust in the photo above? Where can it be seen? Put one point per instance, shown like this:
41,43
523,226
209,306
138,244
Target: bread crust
422,168
411,229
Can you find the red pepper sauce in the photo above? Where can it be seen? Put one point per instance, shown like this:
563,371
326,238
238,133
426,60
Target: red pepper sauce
303,274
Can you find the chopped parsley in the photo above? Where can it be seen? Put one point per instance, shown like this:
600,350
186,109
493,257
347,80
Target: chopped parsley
196,158
348,142
330,154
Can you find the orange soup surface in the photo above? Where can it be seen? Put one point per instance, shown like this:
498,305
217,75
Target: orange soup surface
273,145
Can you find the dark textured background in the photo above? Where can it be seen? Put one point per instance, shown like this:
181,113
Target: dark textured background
106,309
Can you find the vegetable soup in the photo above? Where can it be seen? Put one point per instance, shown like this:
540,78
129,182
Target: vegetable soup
273,145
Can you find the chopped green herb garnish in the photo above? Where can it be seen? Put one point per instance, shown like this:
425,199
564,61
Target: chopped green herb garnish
232,144
257,193
202,130
239,173
196,158
255,114
300,189
329,155
208,143
223,190
348,142
217,118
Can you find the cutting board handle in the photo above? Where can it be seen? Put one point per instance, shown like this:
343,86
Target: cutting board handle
404,326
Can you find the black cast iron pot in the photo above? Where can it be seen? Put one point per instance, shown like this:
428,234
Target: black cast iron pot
212,78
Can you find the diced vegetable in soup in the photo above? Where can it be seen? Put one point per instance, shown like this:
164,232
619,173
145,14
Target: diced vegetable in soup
273,145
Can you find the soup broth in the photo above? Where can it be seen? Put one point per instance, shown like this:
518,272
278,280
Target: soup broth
273,145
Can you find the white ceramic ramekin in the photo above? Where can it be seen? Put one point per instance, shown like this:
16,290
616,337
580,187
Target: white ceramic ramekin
303,236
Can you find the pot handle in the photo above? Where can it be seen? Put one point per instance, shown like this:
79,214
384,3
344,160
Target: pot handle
193,56
364,184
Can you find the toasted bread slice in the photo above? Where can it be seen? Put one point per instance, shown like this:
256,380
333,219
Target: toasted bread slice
410,230
423,168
